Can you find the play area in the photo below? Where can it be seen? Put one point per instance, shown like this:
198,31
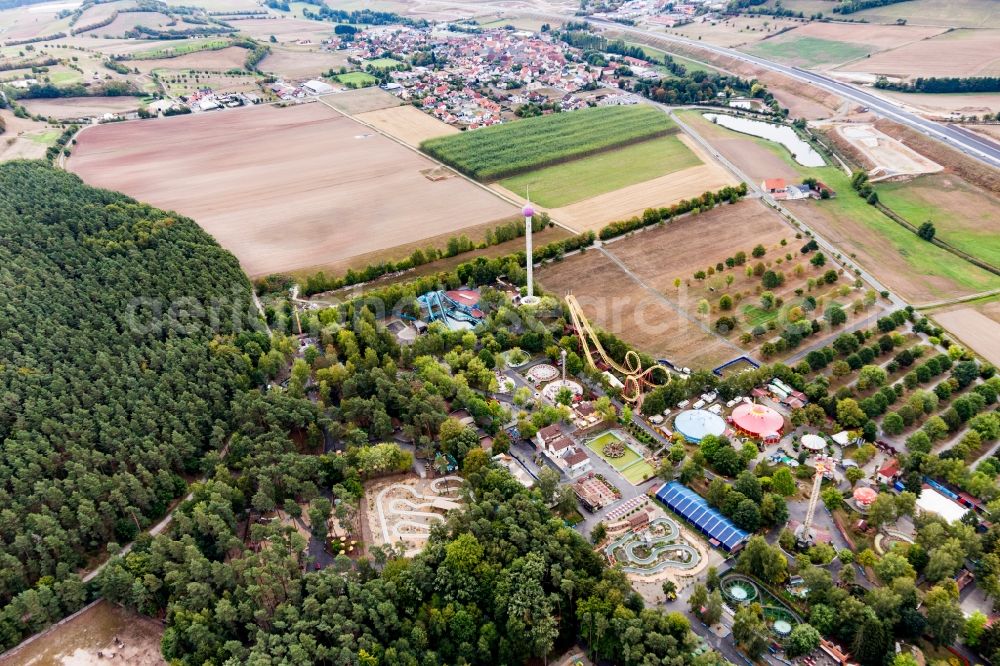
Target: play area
739,590
457,309
652,549
543,372
405,510
615,449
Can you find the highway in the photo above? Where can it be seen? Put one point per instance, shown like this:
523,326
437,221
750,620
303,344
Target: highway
976,146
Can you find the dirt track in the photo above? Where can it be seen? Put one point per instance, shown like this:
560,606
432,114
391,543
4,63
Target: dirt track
283,189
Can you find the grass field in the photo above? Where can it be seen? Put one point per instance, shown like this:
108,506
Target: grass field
639,472
359,79
597,446
809,51
382,63
656,55
580,179
180,48
963,215
504,150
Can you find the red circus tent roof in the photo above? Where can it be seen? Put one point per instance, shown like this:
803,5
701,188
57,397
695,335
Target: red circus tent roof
757,420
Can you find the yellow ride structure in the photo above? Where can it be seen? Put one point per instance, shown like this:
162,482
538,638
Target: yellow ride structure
636,379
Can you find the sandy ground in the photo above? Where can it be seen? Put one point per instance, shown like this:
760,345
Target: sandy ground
407,123
890,156
76,107
596,212
395,522
77,642
957,53
283,188
300,62
15,142
222,59
975,330
363,100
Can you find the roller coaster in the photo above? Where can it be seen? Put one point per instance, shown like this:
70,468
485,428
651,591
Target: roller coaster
636,379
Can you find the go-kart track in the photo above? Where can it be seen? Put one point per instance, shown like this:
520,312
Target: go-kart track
406,511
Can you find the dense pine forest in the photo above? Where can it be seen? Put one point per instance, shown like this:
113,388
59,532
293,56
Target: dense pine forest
105,407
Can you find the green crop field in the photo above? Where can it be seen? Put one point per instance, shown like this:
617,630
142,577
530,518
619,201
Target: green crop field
181,48
809,51
580,179
504,150
359,79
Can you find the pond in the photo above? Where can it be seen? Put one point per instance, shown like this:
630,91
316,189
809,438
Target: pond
801,151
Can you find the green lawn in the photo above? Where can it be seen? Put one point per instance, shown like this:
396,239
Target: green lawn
963,216
809,51
758,316
597,446
580,179
64,77
359,79
383,63
180,48
48,137
639,472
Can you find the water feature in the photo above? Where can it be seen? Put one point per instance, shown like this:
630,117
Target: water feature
801,151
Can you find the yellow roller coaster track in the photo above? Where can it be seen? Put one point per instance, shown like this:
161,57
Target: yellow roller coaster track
636,379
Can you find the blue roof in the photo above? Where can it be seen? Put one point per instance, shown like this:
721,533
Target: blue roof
693,507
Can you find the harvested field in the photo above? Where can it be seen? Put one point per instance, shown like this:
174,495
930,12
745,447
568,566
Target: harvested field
77,107
221,60
735,31
953,161
595,212
284,29
958,13
301,63
989,131
956,53
127,21
407,123
974,330
966,104
24,138
79,640
328,190
616,302
353,102
751,155
504,150
568,183
890,157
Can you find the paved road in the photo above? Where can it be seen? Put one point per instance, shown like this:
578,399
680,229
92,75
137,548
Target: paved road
978,147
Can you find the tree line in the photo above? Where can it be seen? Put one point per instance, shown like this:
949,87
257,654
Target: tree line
944,84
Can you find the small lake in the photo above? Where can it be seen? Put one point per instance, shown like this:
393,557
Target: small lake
801,151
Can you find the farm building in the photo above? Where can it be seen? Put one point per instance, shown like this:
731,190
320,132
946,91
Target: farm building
695,509
757,420
696,424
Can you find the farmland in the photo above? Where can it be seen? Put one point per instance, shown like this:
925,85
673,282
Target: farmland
505,150
406,123
809,51
956,53
917,270
975,328
568,183
77,107
964,216
298,208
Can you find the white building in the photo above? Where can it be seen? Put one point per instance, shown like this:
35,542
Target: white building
933,502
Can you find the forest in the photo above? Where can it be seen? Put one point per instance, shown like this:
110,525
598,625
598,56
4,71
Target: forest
101,421
946,84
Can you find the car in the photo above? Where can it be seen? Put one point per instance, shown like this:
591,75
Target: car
317,566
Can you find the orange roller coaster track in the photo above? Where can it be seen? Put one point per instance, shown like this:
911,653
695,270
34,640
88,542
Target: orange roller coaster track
636,379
